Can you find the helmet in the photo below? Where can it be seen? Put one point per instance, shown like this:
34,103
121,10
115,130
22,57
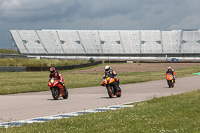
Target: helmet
107,68
52,70
169,68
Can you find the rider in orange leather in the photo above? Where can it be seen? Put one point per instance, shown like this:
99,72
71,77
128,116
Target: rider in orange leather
109,70
170,70
57,75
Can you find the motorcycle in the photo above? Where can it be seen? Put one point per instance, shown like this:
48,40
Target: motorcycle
112,87
170,80
57,89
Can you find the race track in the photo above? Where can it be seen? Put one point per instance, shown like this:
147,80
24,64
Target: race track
30,105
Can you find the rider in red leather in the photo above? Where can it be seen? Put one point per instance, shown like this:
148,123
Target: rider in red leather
57,75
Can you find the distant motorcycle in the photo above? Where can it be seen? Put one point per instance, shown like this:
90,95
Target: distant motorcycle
112,87
57,89
170,80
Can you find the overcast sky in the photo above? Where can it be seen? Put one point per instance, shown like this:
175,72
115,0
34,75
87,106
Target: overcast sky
97,15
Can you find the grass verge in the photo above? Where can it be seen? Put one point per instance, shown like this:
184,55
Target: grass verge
8,51
176,113
38,63
20,82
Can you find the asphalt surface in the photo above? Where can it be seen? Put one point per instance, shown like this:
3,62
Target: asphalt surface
38,104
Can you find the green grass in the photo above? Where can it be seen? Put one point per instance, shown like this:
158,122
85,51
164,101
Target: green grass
38,63
176,113
136,77
8,51
20,82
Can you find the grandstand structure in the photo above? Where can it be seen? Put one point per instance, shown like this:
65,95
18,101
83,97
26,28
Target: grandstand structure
107,42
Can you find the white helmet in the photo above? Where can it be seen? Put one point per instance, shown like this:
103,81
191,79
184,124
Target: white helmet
107,68
169,68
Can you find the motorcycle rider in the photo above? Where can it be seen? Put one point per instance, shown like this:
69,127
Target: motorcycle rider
57,75
110,71
170,70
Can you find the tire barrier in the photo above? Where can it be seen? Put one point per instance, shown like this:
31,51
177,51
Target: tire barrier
12,69
13,56
24,69
63,67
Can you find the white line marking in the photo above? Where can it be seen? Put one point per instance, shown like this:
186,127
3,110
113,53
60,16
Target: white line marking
66,115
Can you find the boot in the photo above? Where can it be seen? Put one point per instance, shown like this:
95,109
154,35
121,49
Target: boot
120,88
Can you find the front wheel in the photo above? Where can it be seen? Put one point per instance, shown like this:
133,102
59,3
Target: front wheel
170,83
110,91
66,94
55,93
119,93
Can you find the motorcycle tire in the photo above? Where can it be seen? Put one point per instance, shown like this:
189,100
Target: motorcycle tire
119,94
169,84
66,94
55,93
110,91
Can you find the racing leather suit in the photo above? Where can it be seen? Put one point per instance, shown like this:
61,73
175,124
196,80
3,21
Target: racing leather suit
57,75
113,74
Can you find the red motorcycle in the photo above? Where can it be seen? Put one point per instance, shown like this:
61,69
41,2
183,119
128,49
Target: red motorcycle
57,89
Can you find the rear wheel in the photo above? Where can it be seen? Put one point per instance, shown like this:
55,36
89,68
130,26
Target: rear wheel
55,93
110,91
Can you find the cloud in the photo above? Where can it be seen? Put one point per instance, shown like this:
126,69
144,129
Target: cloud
34,10
98,14
190,22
